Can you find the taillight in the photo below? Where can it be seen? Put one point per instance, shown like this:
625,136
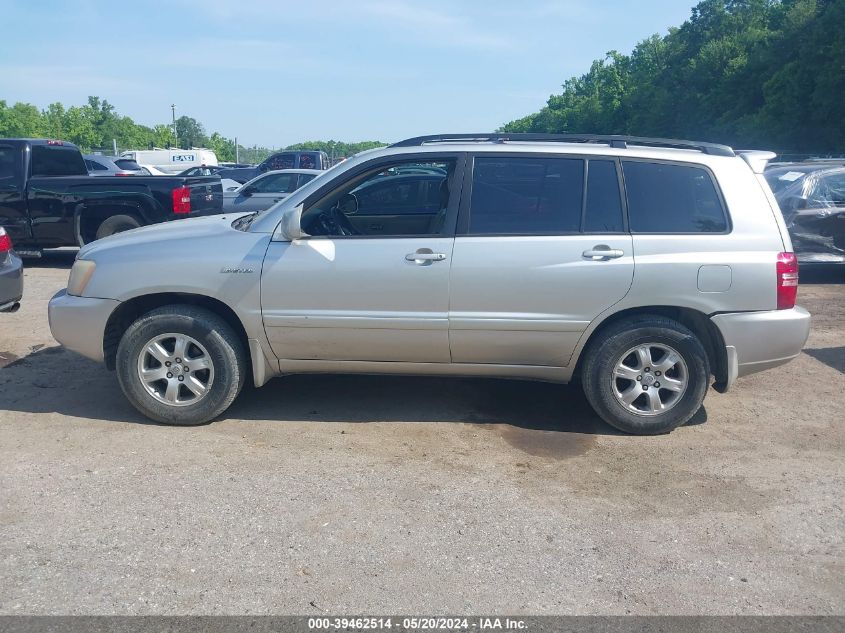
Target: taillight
787,271
182,200
5,241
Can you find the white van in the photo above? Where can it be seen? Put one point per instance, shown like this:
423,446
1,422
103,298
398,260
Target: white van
172,161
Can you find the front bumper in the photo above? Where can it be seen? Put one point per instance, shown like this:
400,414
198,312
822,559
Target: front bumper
755,341
79,323
11,282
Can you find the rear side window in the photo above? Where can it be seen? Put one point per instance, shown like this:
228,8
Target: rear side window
57,161
665,198
525,195
93,165
9,161
604,203
281,161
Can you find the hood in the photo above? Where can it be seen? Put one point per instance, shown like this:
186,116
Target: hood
173,231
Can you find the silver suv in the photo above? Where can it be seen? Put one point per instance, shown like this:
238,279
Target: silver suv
640,266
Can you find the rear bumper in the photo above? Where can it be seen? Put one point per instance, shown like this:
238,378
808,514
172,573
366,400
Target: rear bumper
79,323
11,282
755,341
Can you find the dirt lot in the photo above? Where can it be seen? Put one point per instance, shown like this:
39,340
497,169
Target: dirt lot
408,495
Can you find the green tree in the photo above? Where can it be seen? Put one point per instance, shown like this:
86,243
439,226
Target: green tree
751,73
190,133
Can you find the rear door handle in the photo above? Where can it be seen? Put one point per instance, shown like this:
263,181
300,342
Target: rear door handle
602,252
424,257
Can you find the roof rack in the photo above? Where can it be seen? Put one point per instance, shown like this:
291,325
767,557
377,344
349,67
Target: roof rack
616,141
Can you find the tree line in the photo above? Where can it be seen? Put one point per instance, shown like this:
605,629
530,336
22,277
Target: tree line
750,73
96,125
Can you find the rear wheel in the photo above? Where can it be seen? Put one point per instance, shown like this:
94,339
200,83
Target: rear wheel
646,375
181,365
116,224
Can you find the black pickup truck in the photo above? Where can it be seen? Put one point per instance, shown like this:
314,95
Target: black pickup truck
47,198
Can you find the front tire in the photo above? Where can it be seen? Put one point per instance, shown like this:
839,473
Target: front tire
646,375
181,365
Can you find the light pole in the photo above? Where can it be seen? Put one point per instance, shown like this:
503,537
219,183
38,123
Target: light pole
173,111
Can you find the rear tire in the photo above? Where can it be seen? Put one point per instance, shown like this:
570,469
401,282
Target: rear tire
116,224
646,375
211,363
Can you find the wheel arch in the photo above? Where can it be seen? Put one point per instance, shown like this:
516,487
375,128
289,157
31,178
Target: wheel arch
128,311
698,322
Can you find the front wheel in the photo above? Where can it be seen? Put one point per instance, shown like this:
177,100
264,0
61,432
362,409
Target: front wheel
646,375
181,365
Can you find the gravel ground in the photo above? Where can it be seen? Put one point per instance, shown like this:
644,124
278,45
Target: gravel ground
416,495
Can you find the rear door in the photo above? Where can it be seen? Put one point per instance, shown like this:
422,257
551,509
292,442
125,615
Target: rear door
542,248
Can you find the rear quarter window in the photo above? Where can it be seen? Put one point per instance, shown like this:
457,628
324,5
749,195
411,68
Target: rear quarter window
668,198
57,161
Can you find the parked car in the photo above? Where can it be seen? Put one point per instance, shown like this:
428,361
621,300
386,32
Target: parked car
48,200
105,166
782,175
812,199
266,190
153,171
278,161
524,267
11,275
202,170
172,161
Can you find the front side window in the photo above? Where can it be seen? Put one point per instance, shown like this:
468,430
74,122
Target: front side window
275,183
409,198
664,198
526,195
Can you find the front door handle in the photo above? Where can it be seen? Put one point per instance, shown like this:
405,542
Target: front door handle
602,252
424,257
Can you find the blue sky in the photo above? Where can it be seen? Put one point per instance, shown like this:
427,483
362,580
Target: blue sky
273,72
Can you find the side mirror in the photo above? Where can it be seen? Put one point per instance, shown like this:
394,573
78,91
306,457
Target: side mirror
246,192
290,227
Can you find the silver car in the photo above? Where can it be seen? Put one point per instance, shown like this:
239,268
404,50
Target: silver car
267,189
105,166
646,268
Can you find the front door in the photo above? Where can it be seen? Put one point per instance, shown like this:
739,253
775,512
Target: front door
360,293
537,257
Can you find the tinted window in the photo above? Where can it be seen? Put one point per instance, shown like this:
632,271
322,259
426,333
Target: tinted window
8,161
281,161
672,199
128,164
57,161
303,178
604,204
526,195
93,165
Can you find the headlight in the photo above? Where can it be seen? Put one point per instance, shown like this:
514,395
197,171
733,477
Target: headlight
80,275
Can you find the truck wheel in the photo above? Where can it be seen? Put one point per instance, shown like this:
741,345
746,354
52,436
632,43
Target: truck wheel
116,224
646,375
181,365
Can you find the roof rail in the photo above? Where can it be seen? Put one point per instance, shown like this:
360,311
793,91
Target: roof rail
613,140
